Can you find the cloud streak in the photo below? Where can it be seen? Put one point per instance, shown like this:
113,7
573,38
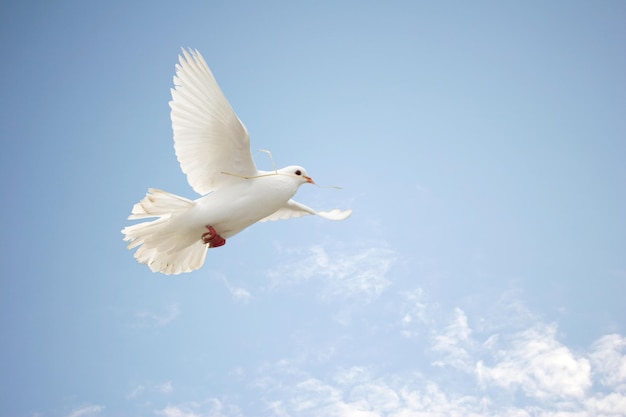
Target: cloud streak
90,410
404,395
456,366
238,293
525,373
149,389
160,319
358,272
609,361
449,342
212,407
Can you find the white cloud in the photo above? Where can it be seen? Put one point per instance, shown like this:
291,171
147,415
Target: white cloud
136,391
166,388
355,272
238,372
415,312
525,373
505,312
178,411
90,410
539,365
479,370
356,392
238,293
148,389
613,404
609,360
390,396
160,319
313,397
352,375
212,407
450,342
378,396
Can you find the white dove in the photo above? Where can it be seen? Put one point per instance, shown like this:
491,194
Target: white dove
213,148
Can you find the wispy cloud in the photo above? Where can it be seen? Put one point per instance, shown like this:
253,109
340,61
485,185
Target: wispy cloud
150,388
537,364
178,411
528,372
345,272
166,388
162,318
503,312
238,293
212,407
347,394
452,361
449,342
415,313
609,361
136,391
392,395
87,411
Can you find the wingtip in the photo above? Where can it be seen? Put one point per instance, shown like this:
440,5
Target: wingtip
188,54
335,214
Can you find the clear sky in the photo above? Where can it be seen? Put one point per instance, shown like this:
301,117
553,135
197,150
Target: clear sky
481,145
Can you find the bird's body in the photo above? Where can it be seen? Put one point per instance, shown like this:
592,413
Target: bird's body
213,148
245,202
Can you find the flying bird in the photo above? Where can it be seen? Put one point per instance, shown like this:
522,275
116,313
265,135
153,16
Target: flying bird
213,148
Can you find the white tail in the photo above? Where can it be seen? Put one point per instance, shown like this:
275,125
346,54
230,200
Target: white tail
159,203
163,246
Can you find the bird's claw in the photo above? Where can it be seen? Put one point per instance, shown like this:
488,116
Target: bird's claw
213,239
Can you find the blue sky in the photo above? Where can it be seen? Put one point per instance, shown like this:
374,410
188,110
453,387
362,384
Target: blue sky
481,146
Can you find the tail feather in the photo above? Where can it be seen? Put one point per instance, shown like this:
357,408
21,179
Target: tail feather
159,203
185,260
163,246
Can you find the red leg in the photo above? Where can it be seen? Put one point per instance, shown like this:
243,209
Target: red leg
212,238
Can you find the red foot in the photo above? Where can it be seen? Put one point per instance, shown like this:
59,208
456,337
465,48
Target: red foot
212,238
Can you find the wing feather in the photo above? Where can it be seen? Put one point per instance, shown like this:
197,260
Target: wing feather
293,210
209,138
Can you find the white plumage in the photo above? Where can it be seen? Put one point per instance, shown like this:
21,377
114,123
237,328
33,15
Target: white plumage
213,148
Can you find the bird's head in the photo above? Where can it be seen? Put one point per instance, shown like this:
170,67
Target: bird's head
298,173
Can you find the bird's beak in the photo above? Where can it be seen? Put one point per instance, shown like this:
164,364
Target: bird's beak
309,180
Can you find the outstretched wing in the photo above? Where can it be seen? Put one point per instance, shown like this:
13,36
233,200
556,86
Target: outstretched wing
293,209
209,138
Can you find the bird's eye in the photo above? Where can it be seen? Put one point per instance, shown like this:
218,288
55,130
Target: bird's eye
298,172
